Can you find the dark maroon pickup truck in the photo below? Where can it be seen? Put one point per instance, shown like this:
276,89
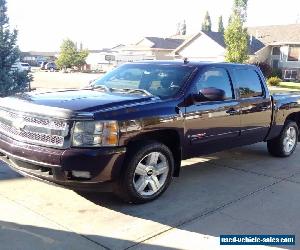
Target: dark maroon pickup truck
129,130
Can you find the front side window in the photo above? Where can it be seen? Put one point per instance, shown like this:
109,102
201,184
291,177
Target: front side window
248,82
160,80
215,78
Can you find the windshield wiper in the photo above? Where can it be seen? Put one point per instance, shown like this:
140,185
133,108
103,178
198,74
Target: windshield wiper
133,91
103,87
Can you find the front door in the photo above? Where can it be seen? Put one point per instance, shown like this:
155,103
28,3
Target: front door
212,126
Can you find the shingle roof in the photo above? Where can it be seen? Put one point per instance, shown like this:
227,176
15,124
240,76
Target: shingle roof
165,43
254,44
276,33
218,37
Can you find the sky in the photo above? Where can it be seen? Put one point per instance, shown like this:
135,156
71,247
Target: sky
100,24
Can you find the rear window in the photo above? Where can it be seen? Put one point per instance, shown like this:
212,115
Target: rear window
248,82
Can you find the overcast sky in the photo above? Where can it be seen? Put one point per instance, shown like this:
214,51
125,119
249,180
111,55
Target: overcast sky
44,24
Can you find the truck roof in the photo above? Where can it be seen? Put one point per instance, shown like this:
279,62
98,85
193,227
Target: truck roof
191,63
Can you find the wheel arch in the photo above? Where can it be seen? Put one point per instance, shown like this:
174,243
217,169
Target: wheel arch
169,137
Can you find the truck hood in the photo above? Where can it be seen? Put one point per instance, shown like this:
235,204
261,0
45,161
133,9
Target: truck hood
69,101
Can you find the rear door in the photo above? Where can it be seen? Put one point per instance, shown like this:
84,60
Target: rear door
212,126
255,104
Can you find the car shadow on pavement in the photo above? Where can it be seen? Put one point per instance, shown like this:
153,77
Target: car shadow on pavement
204,189
7,174
28,237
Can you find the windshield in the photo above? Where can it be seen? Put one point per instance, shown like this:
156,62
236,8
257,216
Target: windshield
159,80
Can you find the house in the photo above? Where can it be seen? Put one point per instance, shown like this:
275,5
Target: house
151,48
281,48
210,46
34,58
100,60
277,45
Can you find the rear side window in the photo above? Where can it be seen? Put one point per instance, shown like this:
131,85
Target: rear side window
248,83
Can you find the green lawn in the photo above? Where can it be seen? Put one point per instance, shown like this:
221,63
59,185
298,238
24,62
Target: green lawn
290,85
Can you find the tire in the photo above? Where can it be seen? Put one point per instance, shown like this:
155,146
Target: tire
285,144
151,179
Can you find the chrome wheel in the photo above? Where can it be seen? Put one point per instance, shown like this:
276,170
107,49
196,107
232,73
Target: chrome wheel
151,174
290,139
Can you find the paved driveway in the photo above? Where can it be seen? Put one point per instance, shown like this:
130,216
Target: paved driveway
234,192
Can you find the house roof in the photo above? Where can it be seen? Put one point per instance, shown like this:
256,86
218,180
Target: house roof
218,37
165,43
276,33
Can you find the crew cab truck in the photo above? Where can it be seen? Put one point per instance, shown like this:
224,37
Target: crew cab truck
129,130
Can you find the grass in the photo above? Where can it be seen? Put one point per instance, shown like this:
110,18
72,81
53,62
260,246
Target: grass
290,85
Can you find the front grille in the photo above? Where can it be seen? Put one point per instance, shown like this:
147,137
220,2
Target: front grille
35,130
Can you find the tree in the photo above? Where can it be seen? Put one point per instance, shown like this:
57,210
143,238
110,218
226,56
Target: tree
11,80
69,55
206,25
236,40
240,9
220,24
236,35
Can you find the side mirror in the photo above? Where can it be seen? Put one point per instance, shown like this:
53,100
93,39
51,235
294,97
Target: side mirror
210,94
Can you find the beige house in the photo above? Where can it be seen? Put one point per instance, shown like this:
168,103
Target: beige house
277,45
151,48
281,48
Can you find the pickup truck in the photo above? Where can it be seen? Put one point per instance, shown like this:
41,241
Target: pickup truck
129,130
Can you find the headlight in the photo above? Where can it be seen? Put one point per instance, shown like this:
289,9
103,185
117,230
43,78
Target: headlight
95,134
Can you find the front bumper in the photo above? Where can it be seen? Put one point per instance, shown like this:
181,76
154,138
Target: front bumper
56,165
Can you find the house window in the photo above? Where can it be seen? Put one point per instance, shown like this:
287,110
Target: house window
290,74
276,51
294,53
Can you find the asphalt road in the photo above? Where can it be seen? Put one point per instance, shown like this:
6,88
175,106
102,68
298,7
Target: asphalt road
241,191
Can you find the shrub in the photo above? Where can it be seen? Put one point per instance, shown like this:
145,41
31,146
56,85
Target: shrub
277,73
265,69
274,81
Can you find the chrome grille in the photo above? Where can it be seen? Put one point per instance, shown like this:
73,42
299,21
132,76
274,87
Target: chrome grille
36,130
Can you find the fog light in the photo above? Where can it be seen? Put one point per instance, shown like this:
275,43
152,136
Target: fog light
81,174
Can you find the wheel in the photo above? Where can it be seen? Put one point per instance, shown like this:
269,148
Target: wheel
147,174
285,144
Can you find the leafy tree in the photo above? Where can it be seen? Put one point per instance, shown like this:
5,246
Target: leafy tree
220,24
240,9
11,80
236,40
206,25
80,58
69,55
236,35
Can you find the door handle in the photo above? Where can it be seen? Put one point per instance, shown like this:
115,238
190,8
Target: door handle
232,111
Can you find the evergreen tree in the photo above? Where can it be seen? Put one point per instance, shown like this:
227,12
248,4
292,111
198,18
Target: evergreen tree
11,79
206,25
236,35
220,24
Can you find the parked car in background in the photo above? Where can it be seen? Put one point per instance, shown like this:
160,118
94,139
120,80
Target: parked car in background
42,65
25,67
20,66
51,66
